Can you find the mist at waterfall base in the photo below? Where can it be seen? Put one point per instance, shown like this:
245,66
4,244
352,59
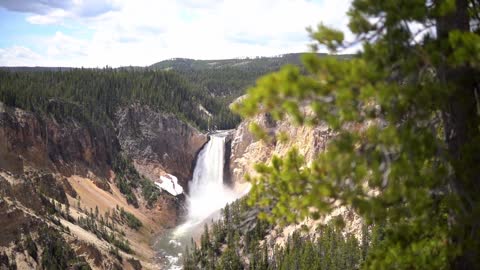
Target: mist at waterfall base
207,195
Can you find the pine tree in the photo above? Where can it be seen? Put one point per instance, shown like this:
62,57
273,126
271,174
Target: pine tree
96,211
67,210
406,117
205,239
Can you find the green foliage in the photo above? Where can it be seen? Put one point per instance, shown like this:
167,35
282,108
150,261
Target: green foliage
31,247
149,191
220,244
106,230
405,117
93,96
125,187
331,250
226,78
115,252
328,37
230,260
128,179
232,240
132,221
57,254
135,264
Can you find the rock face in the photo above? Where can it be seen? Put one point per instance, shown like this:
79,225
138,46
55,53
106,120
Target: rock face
247,150
159,143
310,141
33,212
43,143
48,164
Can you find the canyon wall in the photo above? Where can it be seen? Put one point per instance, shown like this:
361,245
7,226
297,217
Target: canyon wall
309,141
40,142
247,150
57,173
158,143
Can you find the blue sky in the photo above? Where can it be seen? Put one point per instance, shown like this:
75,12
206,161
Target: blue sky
95,33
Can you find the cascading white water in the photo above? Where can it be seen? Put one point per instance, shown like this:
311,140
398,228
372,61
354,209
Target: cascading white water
207,195
207,192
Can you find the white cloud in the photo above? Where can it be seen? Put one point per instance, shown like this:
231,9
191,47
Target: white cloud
47,8
34,6
19,56
142,32
53,17
64,46
75,9
60,50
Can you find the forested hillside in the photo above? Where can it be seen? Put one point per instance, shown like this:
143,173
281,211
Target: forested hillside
179,86
229,78
240,241
94,95
261,64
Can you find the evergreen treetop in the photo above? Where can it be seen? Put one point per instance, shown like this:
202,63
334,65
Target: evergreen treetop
406,114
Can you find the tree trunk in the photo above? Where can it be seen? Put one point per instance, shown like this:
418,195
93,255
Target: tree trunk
461,123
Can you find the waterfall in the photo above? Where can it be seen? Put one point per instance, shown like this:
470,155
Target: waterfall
207,195
207,192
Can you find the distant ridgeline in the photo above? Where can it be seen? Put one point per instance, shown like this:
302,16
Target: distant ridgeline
179,86
228,78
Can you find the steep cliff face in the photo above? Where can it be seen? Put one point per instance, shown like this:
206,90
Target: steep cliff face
57,179
32,140
158,143
45,228
310,141
247,150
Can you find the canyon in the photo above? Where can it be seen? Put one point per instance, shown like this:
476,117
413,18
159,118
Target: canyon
47,164
44,162
129,189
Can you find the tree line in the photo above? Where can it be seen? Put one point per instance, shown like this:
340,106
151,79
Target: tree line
233,243
94,95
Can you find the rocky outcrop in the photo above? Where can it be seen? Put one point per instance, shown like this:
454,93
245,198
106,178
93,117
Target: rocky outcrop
36,216
47,164
309,141
247,150
68,147
158,143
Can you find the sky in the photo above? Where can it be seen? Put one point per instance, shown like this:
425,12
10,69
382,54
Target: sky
97,33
